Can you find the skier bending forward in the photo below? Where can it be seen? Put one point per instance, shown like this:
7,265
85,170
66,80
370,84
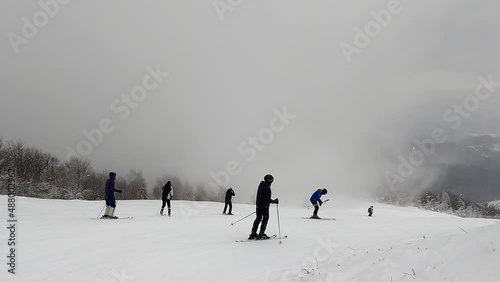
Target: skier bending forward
315,199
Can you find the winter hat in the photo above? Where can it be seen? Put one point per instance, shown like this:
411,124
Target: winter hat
112,175
269,179
324,191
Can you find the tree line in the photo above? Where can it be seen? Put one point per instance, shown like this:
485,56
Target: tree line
42,175
439,200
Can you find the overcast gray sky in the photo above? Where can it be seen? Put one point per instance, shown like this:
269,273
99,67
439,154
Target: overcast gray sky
226,77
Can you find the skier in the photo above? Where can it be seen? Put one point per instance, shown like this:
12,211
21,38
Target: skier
229,195
262,208
315,199
370,211
166,196
110,196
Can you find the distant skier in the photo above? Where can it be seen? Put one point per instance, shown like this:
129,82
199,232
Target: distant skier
229,195
315,199
262,208
166,196
110,196
370,211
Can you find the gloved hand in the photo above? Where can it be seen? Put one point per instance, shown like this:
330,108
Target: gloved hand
119,191
320,204
276,201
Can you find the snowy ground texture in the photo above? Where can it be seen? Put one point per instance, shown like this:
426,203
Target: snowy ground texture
62,241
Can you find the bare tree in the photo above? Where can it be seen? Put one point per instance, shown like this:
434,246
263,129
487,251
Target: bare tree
136,188
183,190
3,155
156,192
16,157
204,193
36,164
93,186
42,175
77,169
122,184
53,164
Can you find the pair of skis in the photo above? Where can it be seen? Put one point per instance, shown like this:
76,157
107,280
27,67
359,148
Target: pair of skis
321,218
274,236
127,217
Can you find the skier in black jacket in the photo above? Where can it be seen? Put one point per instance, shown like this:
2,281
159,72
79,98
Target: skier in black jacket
229,195
166,196
370,211
262,210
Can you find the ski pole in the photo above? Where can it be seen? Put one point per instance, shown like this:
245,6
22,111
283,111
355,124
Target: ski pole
116,198
242,218
101,210
308,207
279,226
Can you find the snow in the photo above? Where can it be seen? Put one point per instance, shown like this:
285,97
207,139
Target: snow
494,135
495,203
62,241
483,155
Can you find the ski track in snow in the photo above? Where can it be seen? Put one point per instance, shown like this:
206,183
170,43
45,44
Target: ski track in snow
58,241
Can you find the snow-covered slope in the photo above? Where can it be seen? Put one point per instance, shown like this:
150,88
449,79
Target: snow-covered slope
60,241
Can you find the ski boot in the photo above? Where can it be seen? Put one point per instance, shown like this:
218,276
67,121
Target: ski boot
161,211
262,236
106,213
253,236
112,213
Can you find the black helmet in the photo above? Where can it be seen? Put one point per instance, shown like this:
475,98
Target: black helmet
269,178
324,191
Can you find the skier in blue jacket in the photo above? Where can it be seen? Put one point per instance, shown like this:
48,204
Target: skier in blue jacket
315,199
110,196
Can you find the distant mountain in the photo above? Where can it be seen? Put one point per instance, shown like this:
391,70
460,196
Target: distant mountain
470,167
